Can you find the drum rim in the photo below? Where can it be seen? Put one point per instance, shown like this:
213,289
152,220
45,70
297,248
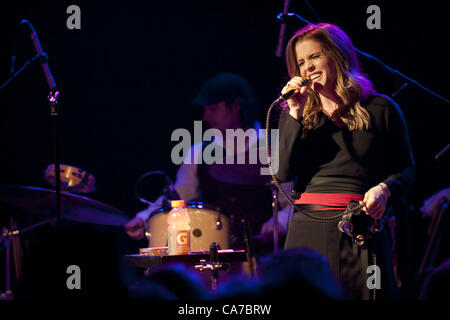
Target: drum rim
192,204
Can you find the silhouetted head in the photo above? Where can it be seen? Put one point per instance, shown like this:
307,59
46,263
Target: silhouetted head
289,274
171,282
149,290
302,272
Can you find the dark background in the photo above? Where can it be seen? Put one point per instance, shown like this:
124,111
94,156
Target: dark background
128,76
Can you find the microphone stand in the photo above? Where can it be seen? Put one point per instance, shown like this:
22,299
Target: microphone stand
53,96
53,99
274,189
279,51
9,235
371,57
15,74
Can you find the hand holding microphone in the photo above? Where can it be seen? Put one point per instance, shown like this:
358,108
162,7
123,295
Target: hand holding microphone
294,93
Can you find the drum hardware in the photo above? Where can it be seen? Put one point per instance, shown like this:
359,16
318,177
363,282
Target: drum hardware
219,225
41,202
360,227
8,235
153,261
214,260
248,247
197,233
168,192
214,265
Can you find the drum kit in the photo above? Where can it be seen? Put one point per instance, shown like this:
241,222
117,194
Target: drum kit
211,227
40,203
209,224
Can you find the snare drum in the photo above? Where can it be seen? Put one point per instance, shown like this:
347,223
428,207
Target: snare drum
208,225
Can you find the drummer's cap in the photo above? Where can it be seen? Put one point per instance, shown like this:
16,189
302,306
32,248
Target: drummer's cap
223,87
178,203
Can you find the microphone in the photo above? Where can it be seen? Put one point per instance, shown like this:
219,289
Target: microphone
292,91
41,54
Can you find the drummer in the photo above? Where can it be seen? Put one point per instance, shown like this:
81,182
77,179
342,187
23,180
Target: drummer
228,103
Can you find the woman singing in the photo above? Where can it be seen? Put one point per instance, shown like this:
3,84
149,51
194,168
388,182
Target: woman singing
340,141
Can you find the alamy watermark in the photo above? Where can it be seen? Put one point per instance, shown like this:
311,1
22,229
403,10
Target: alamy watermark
374,20
74,280
189,151
374,280
74,20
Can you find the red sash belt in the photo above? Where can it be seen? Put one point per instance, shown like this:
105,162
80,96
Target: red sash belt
334,201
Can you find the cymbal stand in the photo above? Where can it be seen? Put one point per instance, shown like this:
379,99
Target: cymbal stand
214,265
248,246
8,293
8,235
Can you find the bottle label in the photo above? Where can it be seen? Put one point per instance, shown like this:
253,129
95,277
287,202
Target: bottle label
179,242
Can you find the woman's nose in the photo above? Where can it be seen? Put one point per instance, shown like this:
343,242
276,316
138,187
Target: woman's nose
309,66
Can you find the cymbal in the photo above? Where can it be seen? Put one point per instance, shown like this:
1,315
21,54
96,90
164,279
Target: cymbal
72,178
39,201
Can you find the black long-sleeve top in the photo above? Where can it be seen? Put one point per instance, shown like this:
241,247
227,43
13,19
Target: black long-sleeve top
329,159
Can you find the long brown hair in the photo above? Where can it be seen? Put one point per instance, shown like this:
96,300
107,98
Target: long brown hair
351,84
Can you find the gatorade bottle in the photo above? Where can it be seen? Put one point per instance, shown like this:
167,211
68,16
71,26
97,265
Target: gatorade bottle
179,229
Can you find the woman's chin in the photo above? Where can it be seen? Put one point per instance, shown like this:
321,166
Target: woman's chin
317,86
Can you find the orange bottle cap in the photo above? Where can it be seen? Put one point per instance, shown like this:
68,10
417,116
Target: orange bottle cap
178,203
